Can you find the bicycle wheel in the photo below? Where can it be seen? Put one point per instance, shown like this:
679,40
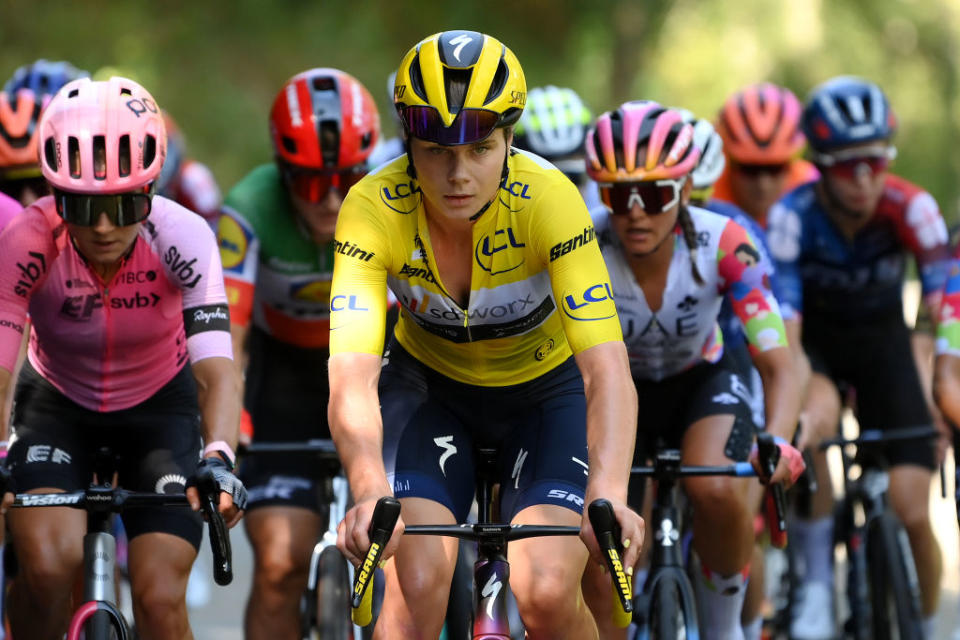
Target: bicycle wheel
894,595
333,597
667,618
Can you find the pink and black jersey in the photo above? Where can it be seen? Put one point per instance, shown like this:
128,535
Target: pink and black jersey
111,345
8,209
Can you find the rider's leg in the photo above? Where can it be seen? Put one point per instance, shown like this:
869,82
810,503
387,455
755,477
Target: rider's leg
812,535
424,566
49,548
545,577
159,567
907,483
282,538
722,525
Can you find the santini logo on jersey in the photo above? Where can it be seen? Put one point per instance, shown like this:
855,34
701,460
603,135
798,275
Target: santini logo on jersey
562,249
347,248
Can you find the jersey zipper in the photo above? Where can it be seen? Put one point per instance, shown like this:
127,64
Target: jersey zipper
450,298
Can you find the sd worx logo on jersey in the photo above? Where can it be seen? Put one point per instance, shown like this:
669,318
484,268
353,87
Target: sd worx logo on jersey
589,305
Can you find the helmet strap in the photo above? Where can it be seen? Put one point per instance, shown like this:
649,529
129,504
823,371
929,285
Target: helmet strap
503,183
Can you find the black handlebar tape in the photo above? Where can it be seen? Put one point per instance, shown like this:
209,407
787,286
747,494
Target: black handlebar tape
385,516
607,530
769,455
219,534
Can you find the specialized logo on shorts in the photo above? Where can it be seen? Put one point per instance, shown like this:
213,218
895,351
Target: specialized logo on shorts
445,443
46,453
586,467
233,242
518,467
502,240
586,307
171,483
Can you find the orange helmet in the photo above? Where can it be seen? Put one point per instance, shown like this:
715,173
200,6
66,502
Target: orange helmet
19,116
760,124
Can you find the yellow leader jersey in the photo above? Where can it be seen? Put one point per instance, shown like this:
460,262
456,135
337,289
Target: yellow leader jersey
539,286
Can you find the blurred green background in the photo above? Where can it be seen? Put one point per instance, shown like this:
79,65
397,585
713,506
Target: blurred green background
216,66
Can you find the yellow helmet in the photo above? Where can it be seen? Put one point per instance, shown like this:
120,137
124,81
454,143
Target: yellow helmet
456,87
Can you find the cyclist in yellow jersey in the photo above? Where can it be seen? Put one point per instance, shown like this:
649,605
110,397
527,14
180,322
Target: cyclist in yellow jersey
494,260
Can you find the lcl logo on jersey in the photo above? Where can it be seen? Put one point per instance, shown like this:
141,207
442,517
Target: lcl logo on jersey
489,246
403,197
588,305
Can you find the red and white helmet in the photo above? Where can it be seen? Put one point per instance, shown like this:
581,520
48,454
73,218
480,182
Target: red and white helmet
617,136
102,137
324,119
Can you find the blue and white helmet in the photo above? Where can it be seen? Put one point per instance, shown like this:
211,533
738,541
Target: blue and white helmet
43,77
554,124
845,111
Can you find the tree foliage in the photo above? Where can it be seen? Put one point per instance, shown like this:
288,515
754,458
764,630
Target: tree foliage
217,65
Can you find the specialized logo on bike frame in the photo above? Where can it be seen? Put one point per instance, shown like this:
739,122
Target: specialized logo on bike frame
403,197
490,592
586,306
181,267
488,247
29,273
211,317
561,249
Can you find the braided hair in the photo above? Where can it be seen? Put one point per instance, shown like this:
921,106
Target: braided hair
685,220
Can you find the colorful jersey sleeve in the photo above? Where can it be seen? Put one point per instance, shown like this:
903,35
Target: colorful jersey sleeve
358,294
239,252
924,232
27,249
567,242
948,326
745,279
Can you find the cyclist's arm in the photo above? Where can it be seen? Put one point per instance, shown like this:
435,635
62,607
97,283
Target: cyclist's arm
946,384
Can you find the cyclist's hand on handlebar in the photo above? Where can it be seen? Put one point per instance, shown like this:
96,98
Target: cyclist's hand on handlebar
790,465
632,530
233,495
353,532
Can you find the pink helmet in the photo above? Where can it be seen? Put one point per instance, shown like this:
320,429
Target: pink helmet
102,137
613,142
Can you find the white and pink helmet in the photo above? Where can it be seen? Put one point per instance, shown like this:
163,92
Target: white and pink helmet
614,141
102,137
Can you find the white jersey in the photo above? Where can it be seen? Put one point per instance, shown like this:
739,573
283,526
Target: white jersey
684,331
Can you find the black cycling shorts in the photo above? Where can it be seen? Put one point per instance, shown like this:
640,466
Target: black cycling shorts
158,443
670,406
286,394
432,425
877,361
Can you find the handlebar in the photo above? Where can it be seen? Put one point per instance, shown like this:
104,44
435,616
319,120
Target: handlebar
108,499
387,511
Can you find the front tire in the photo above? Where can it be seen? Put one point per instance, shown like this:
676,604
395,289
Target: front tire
894,595
333,597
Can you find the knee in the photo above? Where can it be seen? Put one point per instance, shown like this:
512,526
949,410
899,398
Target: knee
277,570
425,581
50,570
717,499
549,598
159,600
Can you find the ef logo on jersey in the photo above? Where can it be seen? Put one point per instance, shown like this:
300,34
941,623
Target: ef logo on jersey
588,306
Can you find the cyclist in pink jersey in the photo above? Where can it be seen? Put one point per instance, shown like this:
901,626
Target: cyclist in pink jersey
8,208
119,304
